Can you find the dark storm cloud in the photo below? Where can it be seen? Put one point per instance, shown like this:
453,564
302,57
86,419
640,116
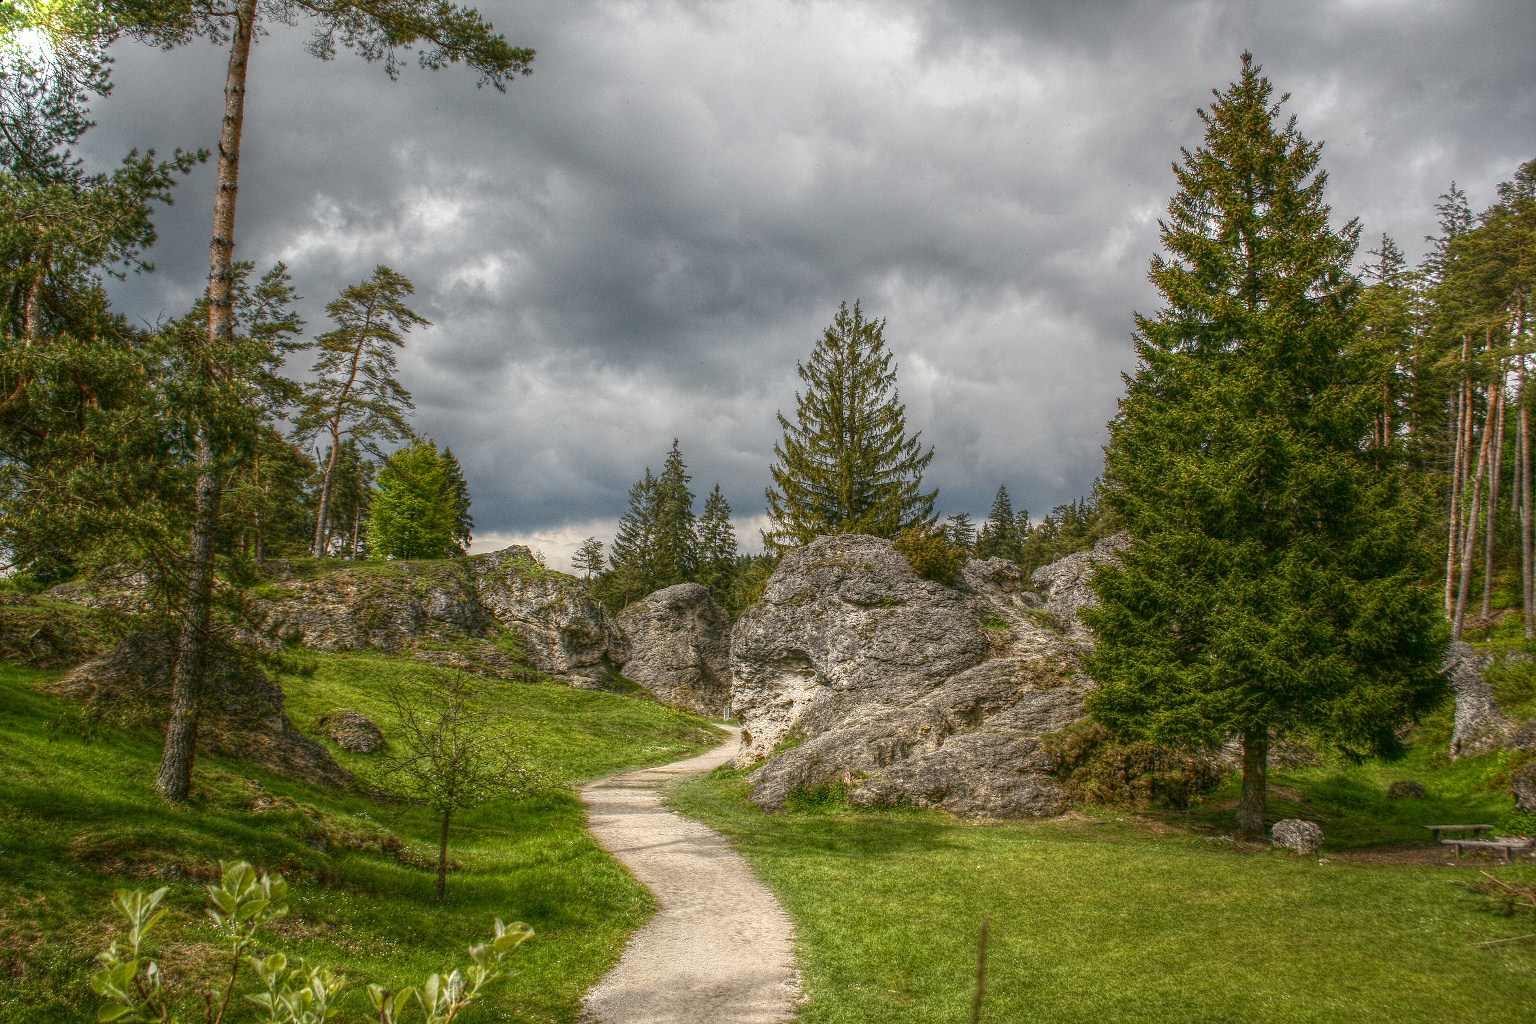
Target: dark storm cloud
640,241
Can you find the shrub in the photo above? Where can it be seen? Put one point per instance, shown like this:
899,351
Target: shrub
930,554
1138,775
133,989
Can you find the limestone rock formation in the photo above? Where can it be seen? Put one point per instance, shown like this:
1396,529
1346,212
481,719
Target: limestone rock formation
430,608
1480,725
854,671
679,648
1297,835
1524,786
242,714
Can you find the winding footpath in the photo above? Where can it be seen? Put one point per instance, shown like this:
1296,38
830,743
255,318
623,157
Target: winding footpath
720,950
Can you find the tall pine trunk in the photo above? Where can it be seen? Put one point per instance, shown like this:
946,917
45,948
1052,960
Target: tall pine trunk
1495,471
1458,476
1469,541
192,642
1250,806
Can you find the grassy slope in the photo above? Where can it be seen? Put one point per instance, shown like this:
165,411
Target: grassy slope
78,819
1112,917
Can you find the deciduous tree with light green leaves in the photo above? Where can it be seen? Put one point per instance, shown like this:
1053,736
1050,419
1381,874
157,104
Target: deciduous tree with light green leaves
846,463
419,506
1275,582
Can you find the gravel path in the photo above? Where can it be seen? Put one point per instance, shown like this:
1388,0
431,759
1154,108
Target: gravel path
720,949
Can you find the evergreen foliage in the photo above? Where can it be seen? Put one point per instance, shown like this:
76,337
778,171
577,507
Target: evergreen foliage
420,506
355,394
676,543
846,465
632,556
589,557
1000,536
1274,583
716,545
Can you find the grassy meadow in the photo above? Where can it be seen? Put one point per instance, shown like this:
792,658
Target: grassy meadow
78,819
1112,916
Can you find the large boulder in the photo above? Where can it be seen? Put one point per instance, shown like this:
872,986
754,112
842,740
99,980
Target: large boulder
854,671
1480,725
679,648
241,713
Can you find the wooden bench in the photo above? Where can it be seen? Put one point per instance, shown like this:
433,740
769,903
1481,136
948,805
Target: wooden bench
1504,846
1440,830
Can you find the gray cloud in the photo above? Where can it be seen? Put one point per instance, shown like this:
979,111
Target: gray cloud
640,241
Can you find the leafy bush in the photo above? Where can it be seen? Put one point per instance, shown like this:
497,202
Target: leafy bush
931,555
133,989
1138,775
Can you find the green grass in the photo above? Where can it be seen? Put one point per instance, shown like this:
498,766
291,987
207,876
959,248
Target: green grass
78,819
1107,917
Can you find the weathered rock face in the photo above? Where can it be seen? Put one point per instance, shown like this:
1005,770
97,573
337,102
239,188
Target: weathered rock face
1480,725
905,691
429,607
1524,786
241,716
679,648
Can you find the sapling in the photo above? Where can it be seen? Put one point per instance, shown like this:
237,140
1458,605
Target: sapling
132,986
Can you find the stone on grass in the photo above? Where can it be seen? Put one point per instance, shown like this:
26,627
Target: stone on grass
351,731
1405,789
1297,835
680,647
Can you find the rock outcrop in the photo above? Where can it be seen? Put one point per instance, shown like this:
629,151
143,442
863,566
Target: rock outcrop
679,648
506,598
854,671
1480,725
242,712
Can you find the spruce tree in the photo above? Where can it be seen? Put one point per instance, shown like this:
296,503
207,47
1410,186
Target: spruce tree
716,545
416,511
458,490
1274,582
632,556
846,465
675,553
999,536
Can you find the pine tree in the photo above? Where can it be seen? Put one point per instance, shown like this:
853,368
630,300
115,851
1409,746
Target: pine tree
355,394
716,545
1274,581
846,465
999,536
675,555
445,34
960,531
632,556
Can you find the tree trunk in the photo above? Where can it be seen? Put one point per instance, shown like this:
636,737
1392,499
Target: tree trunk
1458,475
1469,541
1523,461
322,534
1250,806
442,856
1495,470
175,777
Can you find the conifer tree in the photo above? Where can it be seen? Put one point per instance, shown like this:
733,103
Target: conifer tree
1274,581
632,556
999,536
676,542
716,545
355,395
458,489
846,465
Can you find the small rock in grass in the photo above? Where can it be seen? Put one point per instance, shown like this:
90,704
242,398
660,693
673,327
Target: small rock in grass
1297,836
351,731
1404,789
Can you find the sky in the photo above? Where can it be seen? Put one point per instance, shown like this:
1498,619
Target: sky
641,240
